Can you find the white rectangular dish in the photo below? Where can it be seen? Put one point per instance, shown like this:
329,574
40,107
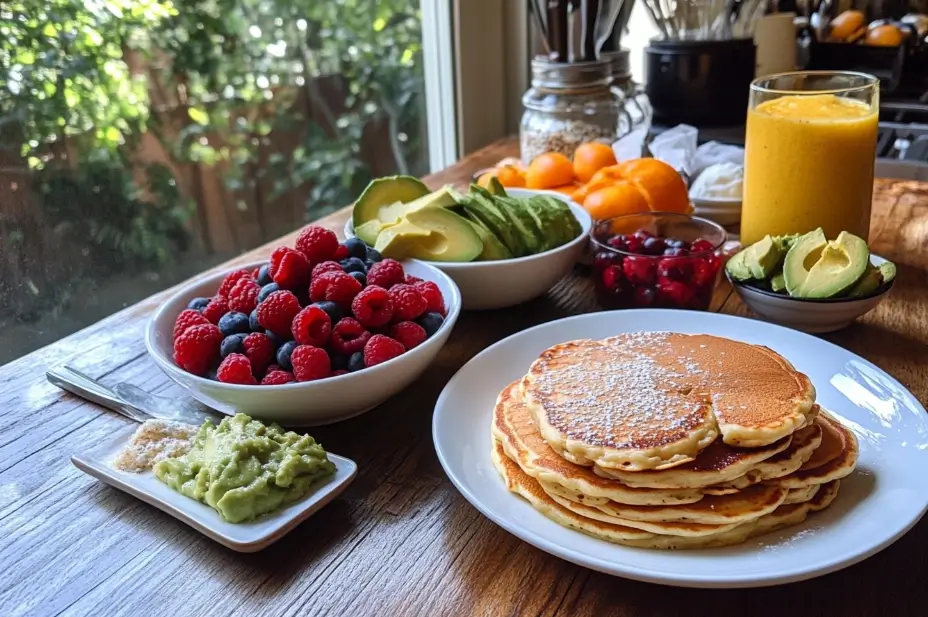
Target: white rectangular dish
242,537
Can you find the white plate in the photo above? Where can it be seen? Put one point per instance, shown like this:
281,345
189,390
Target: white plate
882,500
241,537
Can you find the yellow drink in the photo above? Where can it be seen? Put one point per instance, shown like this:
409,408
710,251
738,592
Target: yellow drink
809,163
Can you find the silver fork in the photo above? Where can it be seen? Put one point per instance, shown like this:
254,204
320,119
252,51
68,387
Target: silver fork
128,400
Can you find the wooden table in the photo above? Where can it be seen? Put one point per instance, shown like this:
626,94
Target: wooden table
401,540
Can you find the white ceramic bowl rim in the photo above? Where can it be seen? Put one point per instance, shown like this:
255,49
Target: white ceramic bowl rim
452,306
882,289
726,202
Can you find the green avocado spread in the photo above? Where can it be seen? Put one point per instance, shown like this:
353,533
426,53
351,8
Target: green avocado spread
244,468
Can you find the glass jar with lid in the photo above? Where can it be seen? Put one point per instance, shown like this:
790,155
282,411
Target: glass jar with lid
636,101
570,104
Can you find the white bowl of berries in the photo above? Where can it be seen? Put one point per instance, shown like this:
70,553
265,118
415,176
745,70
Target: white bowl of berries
317,335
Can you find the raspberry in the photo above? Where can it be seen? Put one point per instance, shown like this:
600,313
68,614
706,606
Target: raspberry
317,244
310,363
230,280
380,349
412,280
373,306
276,378
408,303
386,274
408,333
197,348
236,369
216,308
289,268
244,296
256,273
326,266
432,295
187,319
312,326
348,336
260,351
341,253
337,287
276,313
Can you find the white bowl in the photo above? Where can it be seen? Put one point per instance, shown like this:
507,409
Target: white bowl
808,315
721,211
307,403
507,282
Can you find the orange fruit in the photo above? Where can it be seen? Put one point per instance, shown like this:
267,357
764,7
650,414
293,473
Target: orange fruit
510,176
616,200
484,179
590,158
585,190
567,189
606,175
549,170
662,186
887,35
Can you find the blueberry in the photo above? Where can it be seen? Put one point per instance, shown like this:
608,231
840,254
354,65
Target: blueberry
356,362
676,252
431,322
267,290
356,248
333,310
360,277
353,264
234,343
339,362
373,255
198,304
234,323
654,246
253,324
264,275
283,355
675,244
276,341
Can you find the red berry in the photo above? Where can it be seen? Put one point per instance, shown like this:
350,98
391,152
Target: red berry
277,311
408,303
373,307
225,288
633,244
412,280
348,337
276,378
289,268
216,308
341,253
639,270
256,273
197,348
432,295
310,363
704,272
187,319
326,266
236,368
386,274
701,245
644,295
339,372
317,244
676,268
312,326
613,278
260,351
674,292
380,349
244,296
338,287
408,333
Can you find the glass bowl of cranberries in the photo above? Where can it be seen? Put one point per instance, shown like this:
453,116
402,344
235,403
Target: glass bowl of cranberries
656,260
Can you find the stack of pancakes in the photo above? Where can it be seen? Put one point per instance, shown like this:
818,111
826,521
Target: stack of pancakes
666,440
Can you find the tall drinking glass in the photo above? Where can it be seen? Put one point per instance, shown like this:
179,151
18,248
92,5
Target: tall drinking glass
810,150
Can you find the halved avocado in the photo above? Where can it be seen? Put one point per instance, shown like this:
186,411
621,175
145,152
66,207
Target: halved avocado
395,212
385,191
841,263
398,241
483,209
369,231
867,284
801,257
450,238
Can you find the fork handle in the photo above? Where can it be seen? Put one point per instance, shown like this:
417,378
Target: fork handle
76,382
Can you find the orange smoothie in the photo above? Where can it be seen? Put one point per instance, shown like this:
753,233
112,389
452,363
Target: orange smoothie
808,163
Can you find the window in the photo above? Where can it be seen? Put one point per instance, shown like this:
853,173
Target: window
142,141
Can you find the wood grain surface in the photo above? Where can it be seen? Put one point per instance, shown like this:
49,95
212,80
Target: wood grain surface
401,540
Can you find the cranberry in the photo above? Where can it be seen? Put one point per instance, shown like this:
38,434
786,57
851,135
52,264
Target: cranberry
618,242
606,258
644,295
633,244
674,292
703,272
653,246
643,234
702,245
639,270
674,268
612,278
676,252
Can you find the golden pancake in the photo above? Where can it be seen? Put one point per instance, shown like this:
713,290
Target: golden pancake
800,495
840,450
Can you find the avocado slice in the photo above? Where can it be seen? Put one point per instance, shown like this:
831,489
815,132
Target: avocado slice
385,191
397,211
867,284
434,234
494,187
757,261
524,222
785,243
553,220
483,209
888,271
840,264
777,282
493,249
571,228
369,231
801,257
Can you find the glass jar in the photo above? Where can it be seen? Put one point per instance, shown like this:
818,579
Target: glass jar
571,104
636,101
